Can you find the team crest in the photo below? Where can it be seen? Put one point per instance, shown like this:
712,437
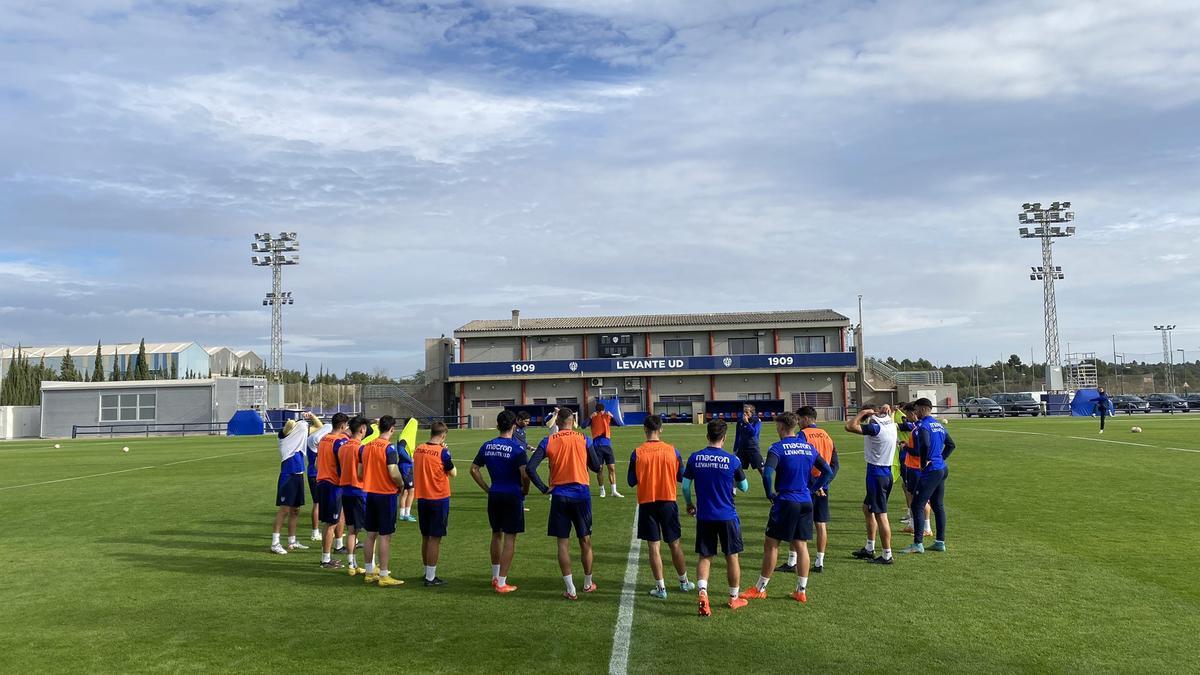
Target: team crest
573,366
727,362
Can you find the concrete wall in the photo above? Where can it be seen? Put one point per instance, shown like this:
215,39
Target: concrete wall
491,349
732,387
553,348
23,421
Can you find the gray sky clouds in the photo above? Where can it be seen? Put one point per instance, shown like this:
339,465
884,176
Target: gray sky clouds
450,161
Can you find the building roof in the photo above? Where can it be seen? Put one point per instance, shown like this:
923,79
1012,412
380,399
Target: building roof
815,316
106,350
213,350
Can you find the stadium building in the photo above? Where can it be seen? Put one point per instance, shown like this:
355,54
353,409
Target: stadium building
682,366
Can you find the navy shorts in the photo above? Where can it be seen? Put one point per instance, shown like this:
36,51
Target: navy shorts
659,521
312,488
879,489
506,513
821,508
567,513
433,515
329,502
380,513
711,533
605,452
750,457
355,508
910,477
290,491
790,521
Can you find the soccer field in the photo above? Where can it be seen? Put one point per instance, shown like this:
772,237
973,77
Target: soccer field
1068,551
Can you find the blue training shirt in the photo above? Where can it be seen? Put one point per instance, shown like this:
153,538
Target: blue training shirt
747,435
931,444
792,461
713,473
404,461
503,458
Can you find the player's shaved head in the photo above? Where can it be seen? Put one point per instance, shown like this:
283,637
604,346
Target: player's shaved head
566,416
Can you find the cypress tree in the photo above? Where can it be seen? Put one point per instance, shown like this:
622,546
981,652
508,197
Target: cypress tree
174,369
98,366
141,369
116,371
66,370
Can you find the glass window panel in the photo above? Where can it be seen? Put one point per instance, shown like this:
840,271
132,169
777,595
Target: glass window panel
128,400
146,413
108,401
128,414
147,399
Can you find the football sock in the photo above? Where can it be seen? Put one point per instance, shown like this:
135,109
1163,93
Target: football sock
702,585
734,591
801,583
350,560
370,568
430,572
569,580
383,574
316,534
340,542
292,539
501,581
587,581
870,546
792,558
683,578
275,539
821,559
325,557
496,572
660,584
887,554
762,583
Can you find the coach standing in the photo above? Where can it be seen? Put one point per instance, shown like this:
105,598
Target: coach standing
745,444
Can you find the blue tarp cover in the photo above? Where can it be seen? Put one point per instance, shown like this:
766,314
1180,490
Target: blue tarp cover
245,423
1085,402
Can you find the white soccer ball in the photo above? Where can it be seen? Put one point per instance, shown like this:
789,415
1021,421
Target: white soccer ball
1136,430
945,421
125,449
57,446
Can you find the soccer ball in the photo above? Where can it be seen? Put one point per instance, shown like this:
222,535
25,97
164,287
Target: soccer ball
945,421
1136,430
57,446
125,449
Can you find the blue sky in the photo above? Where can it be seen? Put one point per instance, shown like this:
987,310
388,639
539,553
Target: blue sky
450,161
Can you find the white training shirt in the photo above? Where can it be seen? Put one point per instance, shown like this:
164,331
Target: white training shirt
880,449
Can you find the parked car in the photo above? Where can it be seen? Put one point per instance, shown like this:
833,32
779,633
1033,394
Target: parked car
1130,404
1193,401
1016,405
1167,403
982,407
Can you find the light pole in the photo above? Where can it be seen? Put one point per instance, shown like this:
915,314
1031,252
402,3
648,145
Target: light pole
1047,228
278,252
1183,368
1166,329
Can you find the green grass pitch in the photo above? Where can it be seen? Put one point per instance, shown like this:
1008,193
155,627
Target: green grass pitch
1068,553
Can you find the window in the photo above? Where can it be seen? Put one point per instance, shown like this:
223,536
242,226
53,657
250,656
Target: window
817,399
747,345
634,401
567,400
754,397
539,401
681,398
810,344
492,403
678,348
128,407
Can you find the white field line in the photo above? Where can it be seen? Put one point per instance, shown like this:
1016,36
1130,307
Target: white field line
1083,438
618,663
113,473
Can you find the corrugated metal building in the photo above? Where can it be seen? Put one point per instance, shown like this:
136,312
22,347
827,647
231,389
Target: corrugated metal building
164,358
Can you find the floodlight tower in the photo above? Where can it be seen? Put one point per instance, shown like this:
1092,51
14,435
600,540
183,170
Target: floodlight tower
276,252
1168,357
1047,224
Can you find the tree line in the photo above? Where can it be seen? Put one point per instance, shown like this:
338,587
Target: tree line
22,383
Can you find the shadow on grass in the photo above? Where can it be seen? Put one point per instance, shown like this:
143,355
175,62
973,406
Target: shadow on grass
210,545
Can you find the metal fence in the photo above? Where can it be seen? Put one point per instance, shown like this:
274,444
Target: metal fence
149,429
